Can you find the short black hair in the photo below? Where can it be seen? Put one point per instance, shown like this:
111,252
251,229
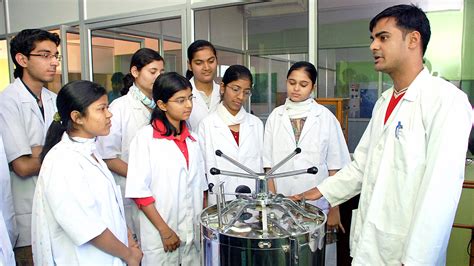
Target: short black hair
25,42
409,18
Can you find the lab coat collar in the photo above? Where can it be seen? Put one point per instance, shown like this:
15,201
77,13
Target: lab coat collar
413,89
410,95
137,105
83,145
416,85
219,123
244,130
315,111
215,95
311,119
25,95
159,130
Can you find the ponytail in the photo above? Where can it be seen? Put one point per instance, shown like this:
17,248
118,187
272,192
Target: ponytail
55,132
189,74
127,83
158,114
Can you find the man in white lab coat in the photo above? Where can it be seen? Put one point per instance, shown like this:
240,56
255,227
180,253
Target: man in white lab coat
409,164
26,111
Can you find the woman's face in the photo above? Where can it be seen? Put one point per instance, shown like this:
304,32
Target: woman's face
179,106
96,120
204,65
145,77
235,94
299,86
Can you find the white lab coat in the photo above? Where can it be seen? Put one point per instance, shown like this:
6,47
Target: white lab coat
215,135
410,179
158,168
76,199
22,127
322,145
129,115
8,234
200,109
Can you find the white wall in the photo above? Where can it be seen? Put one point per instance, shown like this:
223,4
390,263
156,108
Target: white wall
102,8
41,13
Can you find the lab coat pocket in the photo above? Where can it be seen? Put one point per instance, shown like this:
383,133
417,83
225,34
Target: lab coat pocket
401,151
409,148
389,246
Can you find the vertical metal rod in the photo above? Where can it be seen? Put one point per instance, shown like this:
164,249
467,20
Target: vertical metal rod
65,61
219,207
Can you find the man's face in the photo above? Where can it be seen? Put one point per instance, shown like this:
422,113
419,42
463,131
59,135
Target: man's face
38,67
389,46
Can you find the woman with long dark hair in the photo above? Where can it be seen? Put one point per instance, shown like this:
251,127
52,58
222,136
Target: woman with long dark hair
166,177
234,131
202,69
77,208
302,122
130,113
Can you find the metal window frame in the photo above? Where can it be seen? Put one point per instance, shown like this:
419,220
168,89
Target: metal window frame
185,12
171,12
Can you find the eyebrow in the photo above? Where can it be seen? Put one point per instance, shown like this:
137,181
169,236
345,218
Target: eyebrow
212,57
44,51
185,96
380,33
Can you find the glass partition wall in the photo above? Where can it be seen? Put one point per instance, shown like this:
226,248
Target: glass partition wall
266,37
113,47
345,62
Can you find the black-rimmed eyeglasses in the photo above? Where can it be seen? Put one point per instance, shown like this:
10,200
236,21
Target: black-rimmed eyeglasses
48,56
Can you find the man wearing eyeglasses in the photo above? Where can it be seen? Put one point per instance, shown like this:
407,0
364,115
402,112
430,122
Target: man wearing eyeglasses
26,111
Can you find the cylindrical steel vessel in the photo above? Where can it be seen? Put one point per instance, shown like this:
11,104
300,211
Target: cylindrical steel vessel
270,230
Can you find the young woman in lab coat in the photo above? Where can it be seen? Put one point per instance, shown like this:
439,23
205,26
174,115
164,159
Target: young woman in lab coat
78,215
130,113
202,67
301,122
232,130
166,177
